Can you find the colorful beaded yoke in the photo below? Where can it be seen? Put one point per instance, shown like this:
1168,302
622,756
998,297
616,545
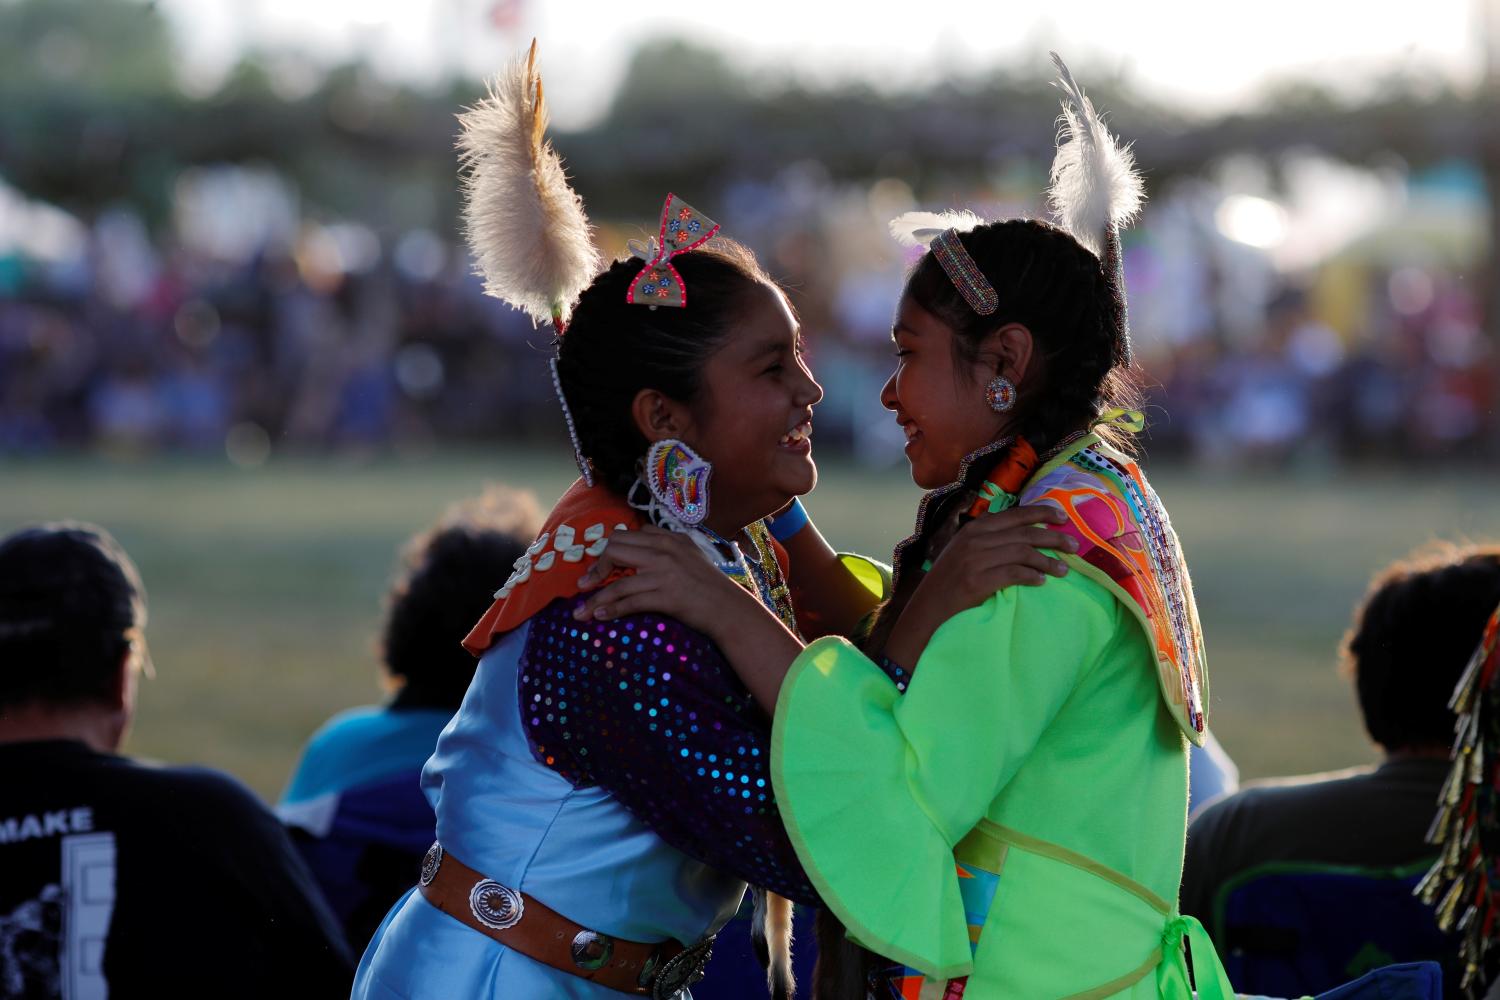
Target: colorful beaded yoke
1123,531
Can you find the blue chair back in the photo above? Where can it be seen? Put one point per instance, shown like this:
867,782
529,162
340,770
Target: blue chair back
1299,929
1409,981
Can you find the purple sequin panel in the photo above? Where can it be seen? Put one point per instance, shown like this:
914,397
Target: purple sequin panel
896,672
649,709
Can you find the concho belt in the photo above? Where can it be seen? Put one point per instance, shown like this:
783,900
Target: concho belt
523,924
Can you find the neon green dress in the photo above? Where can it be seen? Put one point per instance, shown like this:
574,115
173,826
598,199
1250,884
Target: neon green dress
1017,815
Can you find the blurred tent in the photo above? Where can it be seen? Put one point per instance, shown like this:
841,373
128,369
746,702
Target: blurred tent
1442,217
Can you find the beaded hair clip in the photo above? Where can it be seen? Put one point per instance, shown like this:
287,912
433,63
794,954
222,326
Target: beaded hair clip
683,228
964,273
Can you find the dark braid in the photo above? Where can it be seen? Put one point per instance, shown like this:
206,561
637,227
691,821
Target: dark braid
843,968
1059,291
1119,308
613,349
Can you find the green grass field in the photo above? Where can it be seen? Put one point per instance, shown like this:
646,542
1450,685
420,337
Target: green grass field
265,585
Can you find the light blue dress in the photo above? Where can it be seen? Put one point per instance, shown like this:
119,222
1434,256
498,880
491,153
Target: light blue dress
578,850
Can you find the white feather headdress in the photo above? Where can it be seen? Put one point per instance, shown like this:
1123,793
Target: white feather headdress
1095,186
525,225
918,229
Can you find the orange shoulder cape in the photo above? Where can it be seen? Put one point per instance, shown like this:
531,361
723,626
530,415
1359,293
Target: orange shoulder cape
571,540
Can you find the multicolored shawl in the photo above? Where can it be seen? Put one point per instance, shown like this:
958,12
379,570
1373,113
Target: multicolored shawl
1124,534
1463,882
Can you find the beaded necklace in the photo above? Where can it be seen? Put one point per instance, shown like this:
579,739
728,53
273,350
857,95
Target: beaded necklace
760,575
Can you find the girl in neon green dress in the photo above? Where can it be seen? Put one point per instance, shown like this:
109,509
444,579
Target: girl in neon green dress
990,790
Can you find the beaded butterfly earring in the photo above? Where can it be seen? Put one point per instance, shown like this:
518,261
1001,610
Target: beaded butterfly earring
678,478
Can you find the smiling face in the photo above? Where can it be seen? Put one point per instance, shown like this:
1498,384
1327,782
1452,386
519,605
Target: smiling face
938,399
753,419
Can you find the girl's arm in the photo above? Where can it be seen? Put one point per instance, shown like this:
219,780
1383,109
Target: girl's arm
648,709
987,554
829,599
672,578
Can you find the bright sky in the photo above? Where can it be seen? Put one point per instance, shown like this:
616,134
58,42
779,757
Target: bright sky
1205,55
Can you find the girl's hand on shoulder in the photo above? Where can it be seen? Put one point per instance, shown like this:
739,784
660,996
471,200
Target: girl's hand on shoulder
995,551
670,577
990,553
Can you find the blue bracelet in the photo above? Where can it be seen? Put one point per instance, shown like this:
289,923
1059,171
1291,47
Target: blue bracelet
788,522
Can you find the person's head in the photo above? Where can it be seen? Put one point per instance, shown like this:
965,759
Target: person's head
724,374
72,621
1412,638
444,582
1057,336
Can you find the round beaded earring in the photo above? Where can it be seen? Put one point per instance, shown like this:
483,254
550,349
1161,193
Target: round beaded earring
1000,394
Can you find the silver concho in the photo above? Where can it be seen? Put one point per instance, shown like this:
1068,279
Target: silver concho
430,862
495,905
592,950
682,971
648,969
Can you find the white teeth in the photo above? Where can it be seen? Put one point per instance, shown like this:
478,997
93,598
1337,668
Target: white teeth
911,431
797,434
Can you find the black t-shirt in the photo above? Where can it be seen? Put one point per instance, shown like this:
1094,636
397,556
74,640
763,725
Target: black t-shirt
134,880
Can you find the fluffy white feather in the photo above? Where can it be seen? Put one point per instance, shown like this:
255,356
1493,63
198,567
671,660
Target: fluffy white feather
917,229
526,226
1094,181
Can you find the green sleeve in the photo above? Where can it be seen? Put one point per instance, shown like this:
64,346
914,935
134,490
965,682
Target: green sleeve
876,577
876,788
872,573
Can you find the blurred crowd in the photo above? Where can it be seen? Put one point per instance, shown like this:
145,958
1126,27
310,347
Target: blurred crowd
331,337
1416,387
192,353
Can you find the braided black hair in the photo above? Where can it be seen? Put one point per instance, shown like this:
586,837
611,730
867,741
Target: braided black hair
1048,282
613,349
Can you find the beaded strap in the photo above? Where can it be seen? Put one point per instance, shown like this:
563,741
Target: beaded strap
964,273
584,469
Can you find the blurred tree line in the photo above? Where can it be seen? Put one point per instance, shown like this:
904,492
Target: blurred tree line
92,113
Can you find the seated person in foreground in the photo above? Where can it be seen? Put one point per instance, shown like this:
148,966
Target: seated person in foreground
119,877
354,803
1308,880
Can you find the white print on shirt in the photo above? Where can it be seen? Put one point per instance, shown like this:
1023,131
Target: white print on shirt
33,971
88,878
14,829
53,945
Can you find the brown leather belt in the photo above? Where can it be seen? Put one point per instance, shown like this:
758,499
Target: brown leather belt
524,924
